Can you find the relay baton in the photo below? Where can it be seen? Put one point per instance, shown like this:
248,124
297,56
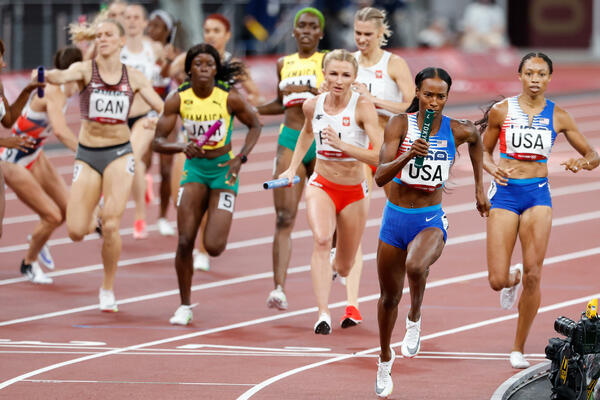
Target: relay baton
40,90
204,138
428,120
283,182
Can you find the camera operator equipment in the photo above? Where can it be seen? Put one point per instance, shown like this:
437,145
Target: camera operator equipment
575,367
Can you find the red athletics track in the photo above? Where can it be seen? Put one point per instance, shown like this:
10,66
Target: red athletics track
55,344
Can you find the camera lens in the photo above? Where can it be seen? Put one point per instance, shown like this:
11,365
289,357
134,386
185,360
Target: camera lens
564,326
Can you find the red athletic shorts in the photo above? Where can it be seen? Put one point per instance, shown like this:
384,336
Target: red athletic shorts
342,195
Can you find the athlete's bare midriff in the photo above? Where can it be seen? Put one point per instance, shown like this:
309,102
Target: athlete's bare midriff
96,134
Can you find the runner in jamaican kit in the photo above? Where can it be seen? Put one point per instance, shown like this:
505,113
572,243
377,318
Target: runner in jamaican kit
209,183
300,75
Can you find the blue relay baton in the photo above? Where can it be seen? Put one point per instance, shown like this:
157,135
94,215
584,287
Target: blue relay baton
278,183
40,91
427,121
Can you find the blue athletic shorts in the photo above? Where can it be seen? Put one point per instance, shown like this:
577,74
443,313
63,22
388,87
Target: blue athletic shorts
400,225
520,194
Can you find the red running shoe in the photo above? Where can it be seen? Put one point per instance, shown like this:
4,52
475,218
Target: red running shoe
139,229
351,318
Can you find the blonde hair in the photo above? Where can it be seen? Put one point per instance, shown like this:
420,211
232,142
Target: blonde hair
378,17
341,55
86,31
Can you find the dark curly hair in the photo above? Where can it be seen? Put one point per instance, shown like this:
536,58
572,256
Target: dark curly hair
229,72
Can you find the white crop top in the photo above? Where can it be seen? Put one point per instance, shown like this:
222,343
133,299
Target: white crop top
344,123
378,81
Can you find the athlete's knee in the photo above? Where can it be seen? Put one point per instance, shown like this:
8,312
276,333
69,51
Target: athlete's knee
285,219
531,279
53,216
185,243
215,248
390,301
497,282
110,226
165,172
415,270
76,235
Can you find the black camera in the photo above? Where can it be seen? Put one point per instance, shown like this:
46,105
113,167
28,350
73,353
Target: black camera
575,366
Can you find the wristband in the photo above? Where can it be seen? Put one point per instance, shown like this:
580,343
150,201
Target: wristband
243,158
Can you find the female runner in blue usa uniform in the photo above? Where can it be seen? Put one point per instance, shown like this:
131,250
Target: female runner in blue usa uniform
413,229
526,127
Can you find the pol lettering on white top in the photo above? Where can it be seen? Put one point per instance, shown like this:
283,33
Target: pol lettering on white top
344,123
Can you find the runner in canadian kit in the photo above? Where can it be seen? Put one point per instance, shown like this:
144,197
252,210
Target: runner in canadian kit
413,227
104,163
526,127
209,181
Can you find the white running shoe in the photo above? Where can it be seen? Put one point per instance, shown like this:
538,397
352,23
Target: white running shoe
107,301
201,261
34,273
384,384
518,361
183,315
165,228
44,256
335,273
277,299
323,324
508,296
412,339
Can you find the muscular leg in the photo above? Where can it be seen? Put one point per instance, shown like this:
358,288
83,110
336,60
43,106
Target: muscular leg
322,221
116,187
350,226
193,204
31,193
534,232
422,252
83,198
140,142
353,280
218,221
286,205
390,269
502,227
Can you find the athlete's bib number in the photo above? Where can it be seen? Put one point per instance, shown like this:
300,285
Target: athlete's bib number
528,143
108,106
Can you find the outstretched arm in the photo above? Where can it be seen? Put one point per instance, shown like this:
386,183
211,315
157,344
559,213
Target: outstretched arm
14,110
566,124
304,141
274,106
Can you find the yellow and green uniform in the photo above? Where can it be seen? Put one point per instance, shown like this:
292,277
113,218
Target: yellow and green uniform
198,115
299,71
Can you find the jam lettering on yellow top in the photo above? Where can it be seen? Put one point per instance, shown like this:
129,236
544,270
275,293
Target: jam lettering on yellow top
199,114
301,71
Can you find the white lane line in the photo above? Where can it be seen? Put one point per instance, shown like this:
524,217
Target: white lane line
137,382
256,212
280,316
248,394
264,275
